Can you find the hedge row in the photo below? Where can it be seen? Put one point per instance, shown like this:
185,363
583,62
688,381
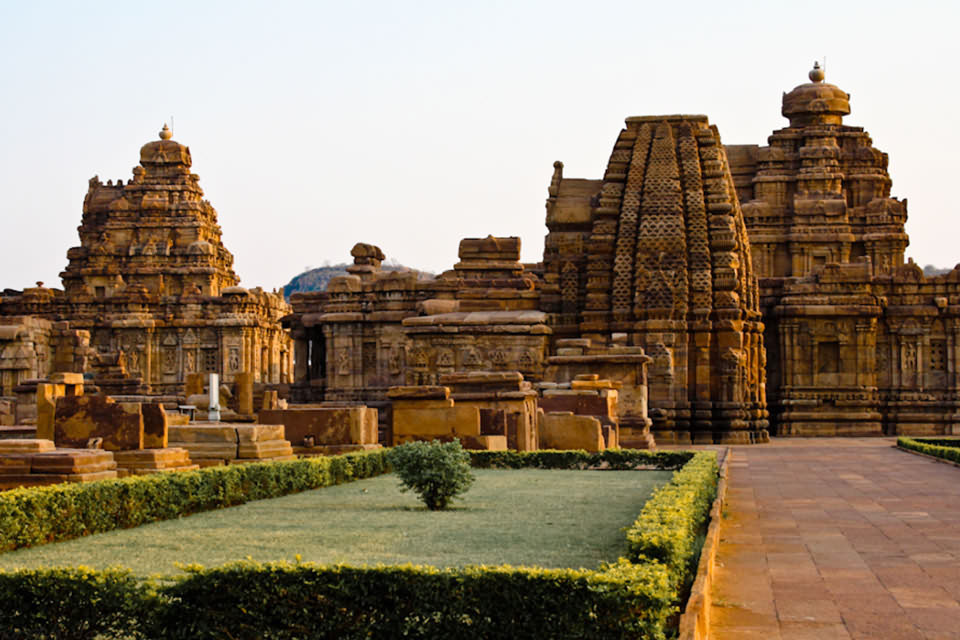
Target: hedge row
38,515
287,601
938,447
632,598
672,523
620,459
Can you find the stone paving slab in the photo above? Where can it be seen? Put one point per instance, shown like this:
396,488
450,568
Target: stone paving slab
844,538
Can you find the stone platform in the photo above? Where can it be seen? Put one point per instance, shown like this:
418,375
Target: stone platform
214,443
36,462
837,538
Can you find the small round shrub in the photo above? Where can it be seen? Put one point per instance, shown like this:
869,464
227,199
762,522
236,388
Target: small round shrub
436,471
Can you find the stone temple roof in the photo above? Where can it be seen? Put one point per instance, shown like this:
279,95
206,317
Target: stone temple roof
165,151
815,102
680,240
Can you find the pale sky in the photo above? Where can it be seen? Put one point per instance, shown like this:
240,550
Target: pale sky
411,125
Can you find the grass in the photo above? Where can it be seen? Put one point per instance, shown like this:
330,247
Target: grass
532,517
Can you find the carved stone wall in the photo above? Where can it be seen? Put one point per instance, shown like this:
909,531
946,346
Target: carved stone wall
870,355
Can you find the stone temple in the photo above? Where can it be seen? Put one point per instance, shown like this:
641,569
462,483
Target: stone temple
148,297
859,343
742,272
695,293
652,261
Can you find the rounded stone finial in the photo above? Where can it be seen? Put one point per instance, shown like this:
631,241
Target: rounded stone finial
816,74
165,133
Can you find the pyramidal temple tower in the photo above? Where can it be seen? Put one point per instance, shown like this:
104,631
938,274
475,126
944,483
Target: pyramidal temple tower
155,233
656,255
150,294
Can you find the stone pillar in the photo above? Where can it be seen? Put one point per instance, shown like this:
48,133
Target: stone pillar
244,381
213,412
47,394
270,400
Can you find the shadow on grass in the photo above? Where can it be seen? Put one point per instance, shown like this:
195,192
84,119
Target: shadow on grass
407,508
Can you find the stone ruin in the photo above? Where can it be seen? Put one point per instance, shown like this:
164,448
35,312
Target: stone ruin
676,293
859,342
654,267
738,271
148,297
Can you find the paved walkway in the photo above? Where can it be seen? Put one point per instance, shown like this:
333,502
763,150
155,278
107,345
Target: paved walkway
837,538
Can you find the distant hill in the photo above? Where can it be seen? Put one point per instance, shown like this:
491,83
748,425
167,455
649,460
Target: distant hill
317,279
931,270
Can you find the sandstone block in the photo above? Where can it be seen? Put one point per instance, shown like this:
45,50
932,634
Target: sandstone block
594,384
244,382
32,445
153,458
486,443
155,426
15,463
47,395
426,424
564,430
327,425
270,400
18,432
80,418
66,378
264,449
202,433
250,433
423,404
199,400
418,392
73,461
201,450
178,419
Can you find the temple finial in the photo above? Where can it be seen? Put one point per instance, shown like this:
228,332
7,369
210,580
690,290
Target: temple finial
816,74
165,133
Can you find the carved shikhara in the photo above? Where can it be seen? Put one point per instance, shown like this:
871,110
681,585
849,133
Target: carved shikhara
150,295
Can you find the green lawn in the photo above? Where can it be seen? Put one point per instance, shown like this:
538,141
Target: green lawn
525,517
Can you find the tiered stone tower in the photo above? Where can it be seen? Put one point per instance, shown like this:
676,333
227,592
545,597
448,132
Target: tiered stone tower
820,193
859,342
155,232
152,290
656,255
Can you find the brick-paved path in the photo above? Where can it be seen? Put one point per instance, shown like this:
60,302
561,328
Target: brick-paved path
837,538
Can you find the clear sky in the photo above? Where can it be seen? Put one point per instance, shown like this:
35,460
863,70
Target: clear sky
411,125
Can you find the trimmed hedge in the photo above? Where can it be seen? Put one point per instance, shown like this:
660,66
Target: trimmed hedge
617,459
38,515
636,597
249,600
75,604
671,525
937,447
